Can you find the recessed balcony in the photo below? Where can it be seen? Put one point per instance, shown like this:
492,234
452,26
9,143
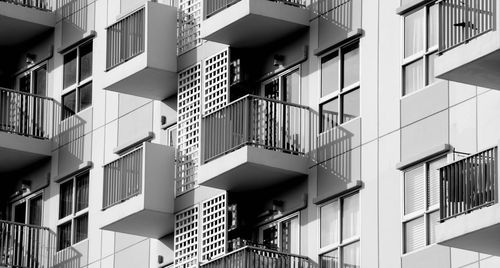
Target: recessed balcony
470,213
141,57
469,42
26,126
252,23
253,143
25,246
138,195
30,18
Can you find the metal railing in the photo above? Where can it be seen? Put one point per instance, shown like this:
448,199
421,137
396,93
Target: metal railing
123,178
26,114
214,6
462,20
125,39
24,246
468,184
252,257
256,121
37,4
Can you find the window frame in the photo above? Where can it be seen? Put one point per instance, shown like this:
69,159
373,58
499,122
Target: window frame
422,213
79,83
341,244
424,54
171,135
342,90
27,200
278,223
71,218
31,71
280,77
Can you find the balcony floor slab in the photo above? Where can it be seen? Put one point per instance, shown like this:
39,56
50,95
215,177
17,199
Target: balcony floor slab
18,151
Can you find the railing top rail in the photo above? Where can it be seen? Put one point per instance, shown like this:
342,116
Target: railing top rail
139,147
20,3
469,156
25,225
25,93
121,18
251,96
258,249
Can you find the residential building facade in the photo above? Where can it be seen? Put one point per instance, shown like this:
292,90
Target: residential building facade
249,133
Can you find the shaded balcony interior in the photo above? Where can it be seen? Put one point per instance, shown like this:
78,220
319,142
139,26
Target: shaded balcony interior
30,18
25,246
248,238
262,21
469,209
469,43
141,57
138,196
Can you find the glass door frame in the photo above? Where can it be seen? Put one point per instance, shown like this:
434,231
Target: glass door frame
27,201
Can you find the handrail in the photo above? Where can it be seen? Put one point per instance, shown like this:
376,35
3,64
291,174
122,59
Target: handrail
468,184
25,225
43,5
256,121
255,251
25,93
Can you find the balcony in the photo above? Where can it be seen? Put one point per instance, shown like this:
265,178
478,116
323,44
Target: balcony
470,213
29,17
253,143
25,246
254,257
252,23
141,57
26,126
469,44
138,195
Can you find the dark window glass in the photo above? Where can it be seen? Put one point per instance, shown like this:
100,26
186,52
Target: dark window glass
270,237
329,74
41,81
85,96
64,235
85,61
350,105
292,87
36,211
25,83
82,192
329,114
351,65
20,213
81,228
69,70
69,104
66,199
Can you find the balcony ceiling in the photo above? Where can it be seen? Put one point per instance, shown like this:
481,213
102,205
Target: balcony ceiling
19,24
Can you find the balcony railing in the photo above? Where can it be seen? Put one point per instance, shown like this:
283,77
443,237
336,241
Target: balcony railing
256,121
24,246
38,4
214,6
123,178
468,184
26,114
125,39
462,20
252,257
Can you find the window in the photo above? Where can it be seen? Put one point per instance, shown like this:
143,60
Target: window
340,88
421,204
282,235
285,87
77,80
420,48
28,210
171,133
340,233
73,211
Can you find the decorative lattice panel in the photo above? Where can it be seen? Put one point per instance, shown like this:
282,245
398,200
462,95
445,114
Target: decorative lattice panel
213,227
216,82
188,128
186,238
188,25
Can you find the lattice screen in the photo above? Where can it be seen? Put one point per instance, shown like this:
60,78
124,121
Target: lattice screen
213,227
188,25
186,238
216,82
188,128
